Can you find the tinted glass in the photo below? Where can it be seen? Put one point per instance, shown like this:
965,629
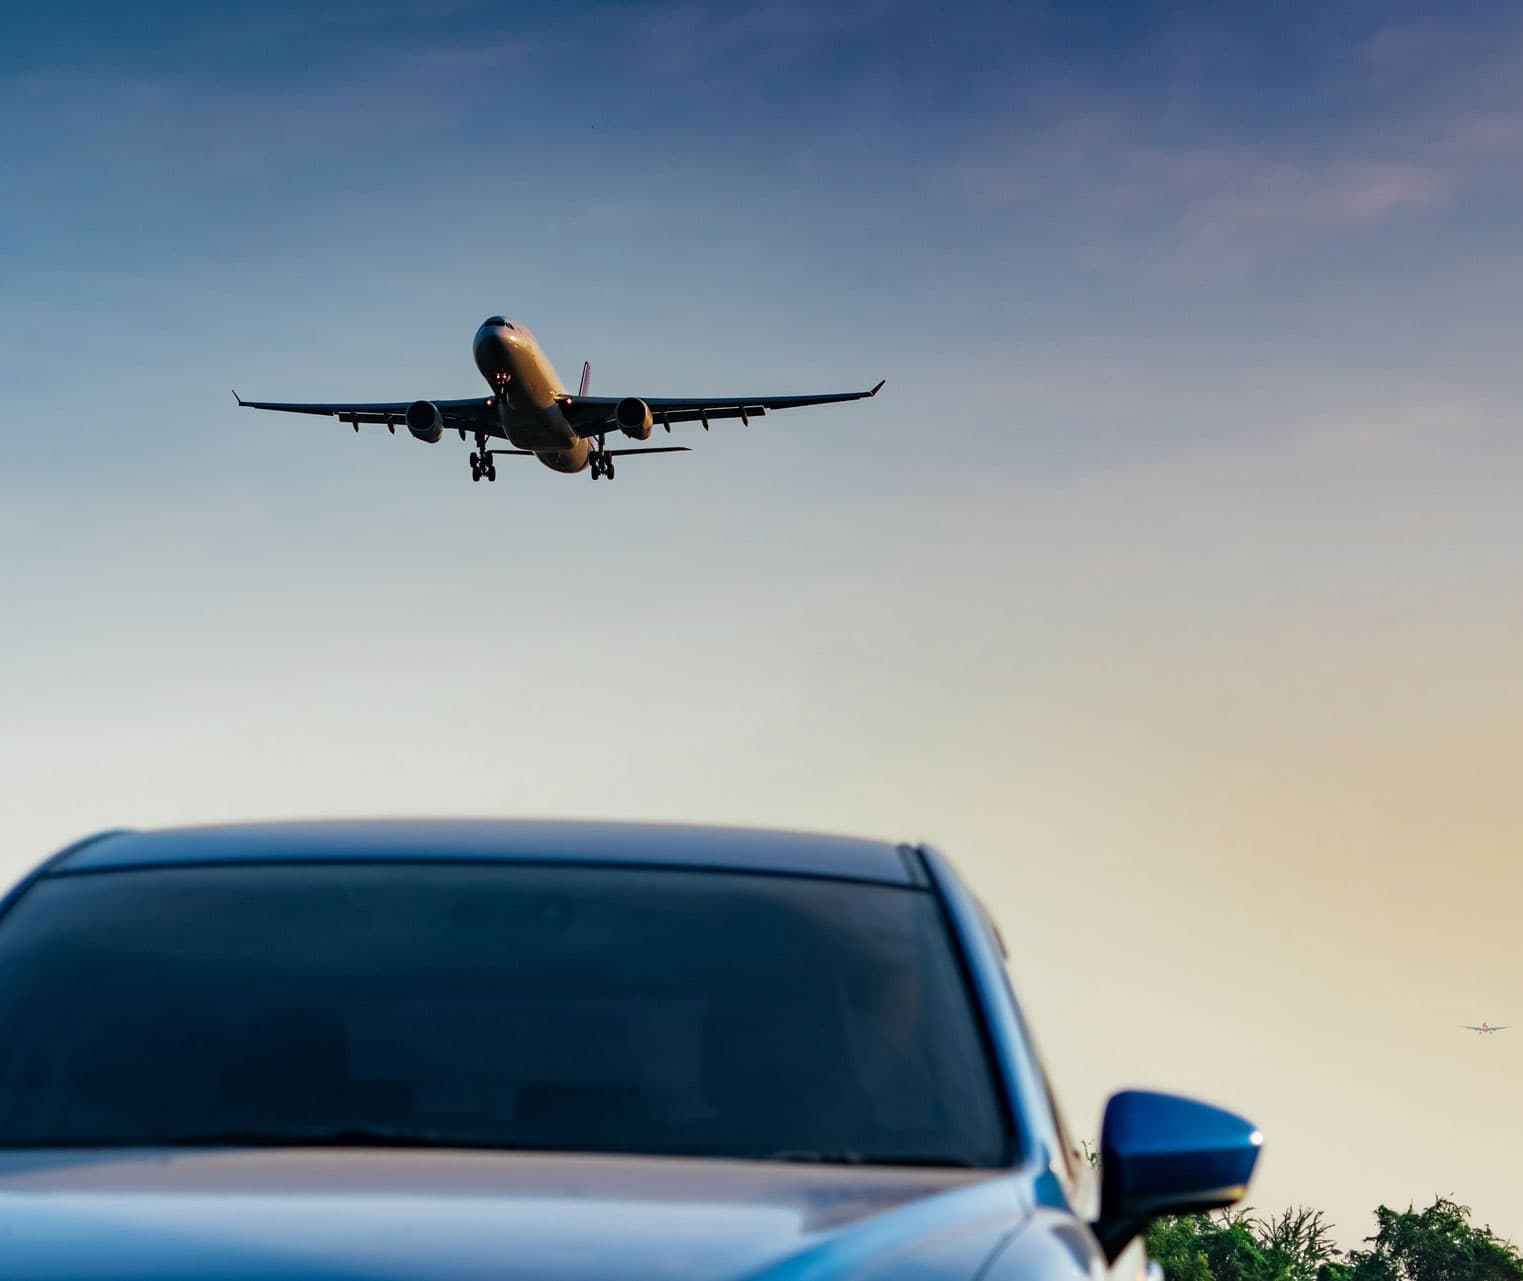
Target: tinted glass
566,1008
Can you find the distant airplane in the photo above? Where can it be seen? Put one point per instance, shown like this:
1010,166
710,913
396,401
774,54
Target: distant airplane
531,409
1485,1029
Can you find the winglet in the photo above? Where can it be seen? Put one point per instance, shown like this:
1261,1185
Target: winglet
238,398
878,388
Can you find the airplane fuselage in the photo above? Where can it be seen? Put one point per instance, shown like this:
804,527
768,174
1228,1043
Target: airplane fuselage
527,393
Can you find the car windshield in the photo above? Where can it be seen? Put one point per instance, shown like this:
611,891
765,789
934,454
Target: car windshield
551,1007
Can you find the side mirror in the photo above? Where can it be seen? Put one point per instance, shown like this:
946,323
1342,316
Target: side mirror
1162,1154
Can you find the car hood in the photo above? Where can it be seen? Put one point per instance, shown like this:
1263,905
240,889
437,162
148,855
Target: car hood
258,1215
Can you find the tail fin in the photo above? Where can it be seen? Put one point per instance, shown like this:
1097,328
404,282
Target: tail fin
586,376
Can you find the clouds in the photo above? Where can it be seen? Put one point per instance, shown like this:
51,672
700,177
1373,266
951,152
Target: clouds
1251,208
1188,153
700,36
1181,178
1209,208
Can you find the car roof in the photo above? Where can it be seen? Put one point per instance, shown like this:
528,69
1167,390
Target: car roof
497,840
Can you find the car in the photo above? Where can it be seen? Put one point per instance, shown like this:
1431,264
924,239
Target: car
547,1051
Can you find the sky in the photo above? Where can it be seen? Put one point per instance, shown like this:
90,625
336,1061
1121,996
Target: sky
1171,586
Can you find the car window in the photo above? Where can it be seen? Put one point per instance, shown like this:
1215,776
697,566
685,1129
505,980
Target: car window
546,1007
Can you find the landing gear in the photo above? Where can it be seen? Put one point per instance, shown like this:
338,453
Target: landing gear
600,462
481,461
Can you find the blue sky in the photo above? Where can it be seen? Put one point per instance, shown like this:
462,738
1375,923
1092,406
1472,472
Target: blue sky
1178,557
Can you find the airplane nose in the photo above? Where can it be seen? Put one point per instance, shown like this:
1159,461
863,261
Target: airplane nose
497,336
492,349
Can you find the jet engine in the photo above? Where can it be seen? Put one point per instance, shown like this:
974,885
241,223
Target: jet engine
633,416
425,421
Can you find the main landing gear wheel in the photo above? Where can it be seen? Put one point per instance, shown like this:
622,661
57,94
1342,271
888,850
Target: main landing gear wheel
600,464
481,460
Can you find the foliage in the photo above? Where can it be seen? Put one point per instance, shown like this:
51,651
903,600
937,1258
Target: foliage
1223,1247
1435,1244
1297,1244
1174,1243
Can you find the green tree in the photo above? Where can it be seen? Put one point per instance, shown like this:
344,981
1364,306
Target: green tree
1234,1246
1223,1243
1436,1244
1174,1242
1297,1245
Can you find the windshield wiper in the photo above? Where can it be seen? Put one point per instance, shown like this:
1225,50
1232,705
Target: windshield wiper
847,1156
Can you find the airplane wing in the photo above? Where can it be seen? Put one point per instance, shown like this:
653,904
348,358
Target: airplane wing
471,414
593,415
612,453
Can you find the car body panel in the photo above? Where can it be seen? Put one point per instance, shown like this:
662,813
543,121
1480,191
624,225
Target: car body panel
440,1215
1048,1243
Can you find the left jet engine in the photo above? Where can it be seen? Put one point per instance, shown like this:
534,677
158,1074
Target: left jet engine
425,421
633,416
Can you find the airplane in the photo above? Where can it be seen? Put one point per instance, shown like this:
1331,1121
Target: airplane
1485,1028
531,410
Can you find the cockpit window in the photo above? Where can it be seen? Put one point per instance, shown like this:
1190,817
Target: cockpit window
496,321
